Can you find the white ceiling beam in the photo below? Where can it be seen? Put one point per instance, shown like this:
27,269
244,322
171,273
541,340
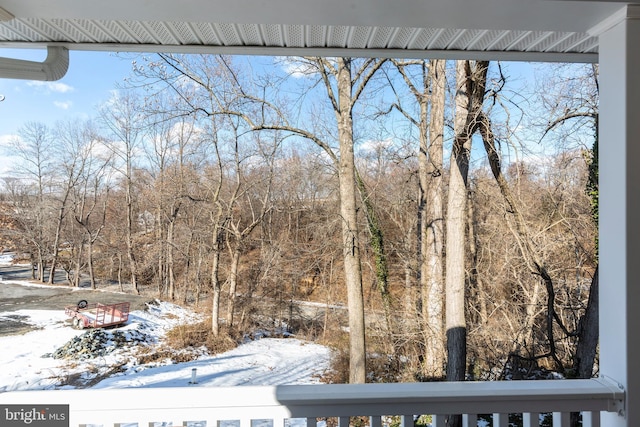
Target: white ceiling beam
480,55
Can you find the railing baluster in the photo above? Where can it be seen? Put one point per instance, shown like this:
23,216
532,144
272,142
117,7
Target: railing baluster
590,419
438,420
500,420
530,419
343,422
375,421
406,421
469,420
561,419
311,422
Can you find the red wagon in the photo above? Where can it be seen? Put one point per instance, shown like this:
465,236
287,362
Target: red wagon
97,315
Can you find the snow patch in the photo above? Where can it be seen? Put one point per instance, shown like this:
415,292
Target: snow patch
28,362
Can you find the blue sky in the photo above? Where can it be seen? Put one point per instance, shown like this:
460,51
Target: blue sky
88,83
90,79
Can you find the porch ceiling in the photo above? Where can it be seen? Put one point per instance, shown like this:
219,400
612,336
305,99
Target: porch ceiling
491,29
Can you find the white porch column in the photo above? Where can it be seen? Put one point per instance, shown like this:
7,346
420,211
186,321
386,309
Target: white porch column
619,162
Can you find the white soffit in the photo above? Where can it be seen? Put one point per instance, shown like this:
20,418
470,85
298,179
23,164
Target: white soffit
475,29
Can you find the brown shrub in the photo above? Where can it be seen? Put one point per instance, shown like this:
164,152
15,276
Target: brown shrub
196,335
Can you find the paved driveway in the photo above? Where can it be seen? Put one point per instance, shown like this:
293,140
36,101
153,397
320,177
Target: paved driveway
15,297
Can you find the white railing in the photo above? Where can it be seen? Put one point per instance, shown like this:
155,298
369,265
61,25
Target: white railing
303,405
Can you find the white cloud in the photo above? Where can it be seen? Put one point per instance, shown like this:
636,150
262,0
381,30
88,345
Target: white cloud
296,68
372,146
7,161
63,105
6,139
51,87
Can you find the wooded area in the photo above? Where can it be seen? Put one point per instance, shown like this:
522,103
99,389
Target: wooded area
414,192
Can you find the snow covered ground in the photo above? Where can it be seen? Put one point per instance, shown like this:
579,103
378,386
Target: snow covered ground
28,364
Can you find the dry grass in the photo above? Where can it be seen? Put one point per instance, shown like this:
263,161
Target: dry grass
382,366
199,334
184,343
81,380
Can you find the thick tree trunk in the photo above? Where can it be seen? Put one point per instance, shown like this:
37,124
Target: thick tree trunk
162,249
120,272
456,220
133,267
198,280
470,84
455,262
233,285
588,335
40,266
56,241
350,232
432,233
76,279
217,289
476,295
216,247
92,275
170,273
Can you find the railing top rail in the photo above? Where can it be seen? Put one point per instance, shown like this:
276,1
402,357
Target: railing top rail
598,394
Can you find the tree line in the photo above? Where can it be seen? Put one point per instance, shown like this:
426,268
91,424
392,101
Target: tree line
407,188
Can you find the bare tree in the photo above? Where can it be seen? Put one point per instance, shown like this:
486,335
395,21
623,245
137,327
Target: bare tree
571,100
171,146
246,207
34,147
72,140
122,116
430,98
218,222
91,197
344,85
470,92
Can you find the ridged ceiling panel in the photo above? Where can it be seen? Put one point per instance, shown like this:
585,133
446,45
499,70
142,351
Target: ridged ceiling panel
359,37
294,35
589,45
529,39
207,34
337,36
229,34
401,38
380,37
551,42
173,35
184,33
272,35
251,35
487,39
443,39
420,39
20,31
118,31
316,36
